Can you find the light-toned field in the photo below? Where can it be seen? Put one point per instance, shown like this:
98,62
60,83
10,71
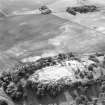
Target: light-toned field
31,35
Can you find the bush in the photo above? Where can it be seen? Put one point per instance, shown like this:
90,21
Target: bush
3,102
5,78
94,59
44,7
90,75
85,8
98,54
90,67
15,91
71,11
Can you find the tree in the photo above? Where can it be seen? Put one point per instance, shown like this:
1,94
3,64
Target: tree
71,11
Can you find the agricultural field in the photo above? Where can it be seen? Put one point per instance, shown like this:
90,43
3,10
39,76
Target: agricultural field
27,38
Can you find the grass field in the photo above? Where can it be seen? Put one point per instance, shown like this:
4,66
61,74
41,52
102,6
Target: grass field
35,35
26,35
32,35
